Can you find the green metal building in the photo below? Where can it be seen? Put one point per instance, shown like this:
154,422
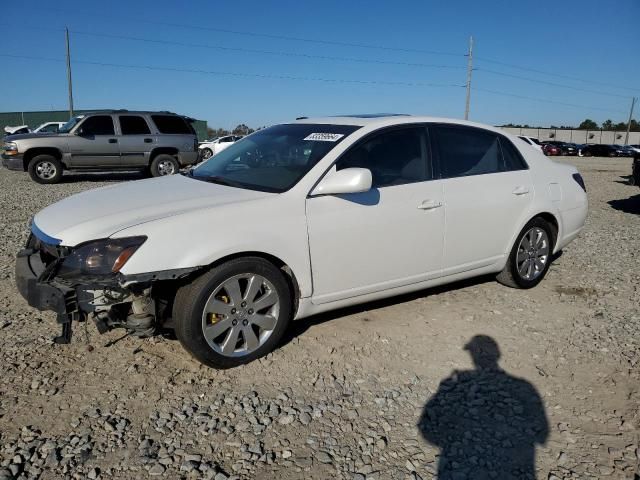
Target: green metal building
33,119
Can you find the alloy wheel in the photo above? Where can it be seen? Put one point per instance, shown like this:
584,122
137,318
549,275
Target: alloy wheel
240,315
166,167
533,253
46,170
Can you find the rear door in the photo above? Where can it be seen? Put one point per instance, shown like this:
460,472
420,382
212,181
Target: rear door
136,140
175,132
487,194
94,143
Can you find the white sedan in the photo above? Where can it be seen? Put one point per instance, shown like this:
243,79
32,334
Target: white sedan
211,147
298,219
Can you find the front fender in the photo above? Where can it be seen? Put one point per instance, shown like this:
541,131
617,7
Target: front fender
198,239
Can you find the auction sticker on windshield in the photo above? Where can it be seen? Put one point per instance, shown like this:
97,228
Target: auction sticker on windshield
324,137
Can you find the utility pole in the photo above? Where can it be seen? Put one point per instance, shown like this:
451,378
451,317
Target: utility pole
469,70
66,36
626,138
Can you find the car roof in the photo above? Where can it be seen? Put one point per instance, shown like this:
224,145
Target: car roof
385,120
127,112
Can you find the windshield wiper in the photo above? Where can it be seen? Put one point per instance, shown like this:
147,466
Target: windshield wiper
219,181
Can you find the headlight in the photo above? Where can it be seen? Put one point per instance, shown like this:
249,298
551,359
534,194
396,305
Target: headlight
100,257
10,148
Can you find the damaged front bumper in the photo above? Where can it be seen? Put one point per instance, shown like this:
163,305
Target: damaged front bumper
117,300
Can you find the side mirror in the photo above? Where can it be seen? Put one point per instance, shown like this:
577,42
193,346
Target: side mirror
349,180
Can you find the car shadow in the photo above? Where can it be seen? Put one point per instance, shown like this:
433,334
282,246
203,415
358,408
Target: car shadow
625,179
486,422
102,176
299,327
627,205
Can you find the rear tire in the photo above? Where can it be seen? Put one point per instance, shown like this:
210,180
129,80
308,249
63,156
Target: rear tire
236,333
528,261
163,165
45,169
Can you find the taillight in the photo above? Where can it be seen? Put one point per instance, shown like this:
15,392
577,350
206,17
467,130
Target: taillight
579,180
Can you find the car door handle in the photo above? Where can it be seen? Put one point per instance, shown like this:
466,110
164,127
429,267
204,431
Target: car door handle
520,190
148,140
113,140
429,205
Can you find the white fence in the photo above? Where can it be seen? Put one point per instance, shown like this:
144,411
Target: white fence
576,136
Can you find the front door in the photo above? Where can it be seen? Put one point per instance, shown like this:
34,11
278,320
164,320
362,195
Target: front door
94,143
388,237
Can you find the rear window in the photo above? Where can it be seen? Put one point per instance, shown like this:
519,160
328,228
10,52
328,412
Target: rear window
172,124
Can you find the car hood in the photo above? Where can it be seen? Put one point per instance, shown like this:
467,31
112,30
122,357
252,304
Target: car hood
27,136
102,212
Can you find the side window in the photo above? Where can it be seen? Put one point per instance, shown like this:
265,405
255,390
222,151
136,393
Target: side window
395,158
133,125
467,151
512,159
97,125
50,128
171,124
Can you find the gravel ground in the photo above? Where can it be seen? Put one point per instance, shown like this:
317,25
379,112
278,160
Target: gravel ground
382,391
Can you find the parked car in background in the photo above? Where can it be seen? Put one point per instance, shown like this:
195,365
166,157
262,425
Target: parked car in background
298,219
534,142
579,147
635,171
565,147
157,142
47,127
601,150
211,147
636,149
16,130
624,150
551,150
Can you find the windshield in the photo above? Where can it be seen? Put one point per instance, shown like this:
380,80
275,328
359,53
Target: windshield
273,159
66,128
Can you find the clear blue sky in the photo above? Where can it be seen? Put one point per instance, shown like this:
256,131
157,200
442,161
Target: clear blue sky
582,39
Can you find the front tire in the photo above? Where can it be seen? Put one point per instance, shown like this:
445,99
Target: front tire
233,314
206,153
45,169
530,256
164,164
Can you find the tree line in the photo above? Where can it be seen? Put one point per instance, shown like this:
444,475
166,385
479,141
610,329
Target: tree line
241,129
589,124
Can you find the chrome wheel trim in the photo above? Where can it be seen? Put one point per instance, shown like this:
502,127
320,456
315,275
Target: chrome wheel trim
46,170
166,167
206,153
532,254
240,315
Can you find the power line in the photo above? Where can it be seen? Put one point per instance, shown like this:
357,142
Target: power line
544,100
297,78
559,75
236,74
267,52
254,34
544,82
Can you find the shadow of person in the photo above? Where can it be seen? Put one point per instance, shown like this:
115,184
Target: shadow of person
486,422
